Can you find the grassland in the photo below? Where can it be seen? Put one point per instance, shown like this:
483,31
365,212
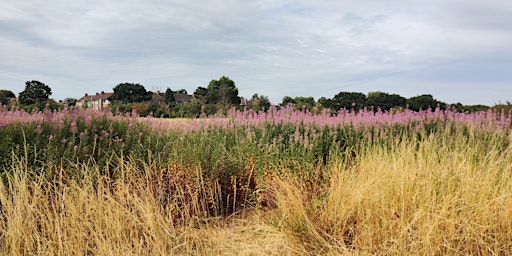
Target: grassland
78,182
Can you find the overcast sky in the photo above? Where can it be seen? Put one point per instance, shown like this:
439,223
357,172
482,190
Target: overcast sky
456,50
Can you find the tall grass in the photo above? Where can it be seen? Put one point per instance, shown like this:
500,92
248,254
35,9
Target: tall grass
144,212
439,196
281,182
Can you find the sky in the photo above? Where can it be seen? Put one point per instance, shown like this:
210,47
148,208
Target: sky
455,50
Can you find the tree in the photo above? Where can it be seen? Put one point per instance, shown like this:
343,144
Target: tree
287,100
299,103
169,96
259,102
191,109
130,92
6,96
384,100
323,102
469,108
201,91
70,101
304,102
35,93
222,91
347,100
423,102
476,108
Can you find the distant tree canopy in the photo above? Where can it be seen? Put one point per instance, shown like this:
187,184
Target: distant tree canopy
381,100
299,102
304,102
35,93
169,96
222,94
345,100
287,100
130,92
424,102
259,102
201,91
70,101
6,96
222,91
470,108
384,100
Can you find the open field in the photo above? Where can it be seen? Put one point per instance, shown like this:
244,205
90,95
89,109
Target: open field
285,182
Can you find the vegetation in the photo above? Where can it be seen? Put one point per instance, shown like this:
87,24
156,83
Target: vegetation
221,95
345,100
386,101
259,103
222,91
6,96
281,182
130,93
36,94
299,103
70,102
425,101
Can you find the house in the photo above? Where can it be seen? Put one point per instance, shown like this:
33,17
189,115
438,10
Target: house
100,100
178,97
96,102
186,98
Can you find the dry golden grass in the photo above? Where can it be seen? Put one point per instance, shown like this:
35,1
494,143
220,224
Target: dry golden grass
432,200
417,198
127,217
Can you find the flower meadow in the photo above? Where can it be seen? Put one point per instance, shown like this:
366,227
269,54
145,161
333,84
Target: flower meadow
284,182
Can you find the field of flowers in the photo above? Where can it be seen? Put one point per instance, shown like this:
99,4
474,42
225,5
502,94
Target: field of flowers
281,182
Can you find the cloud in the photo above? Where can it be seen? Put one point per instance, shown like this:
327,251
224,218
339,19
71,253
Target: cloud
274,48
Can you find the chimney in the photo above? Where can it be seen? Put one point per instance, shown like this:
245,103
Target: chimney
86,95
97,93
102,92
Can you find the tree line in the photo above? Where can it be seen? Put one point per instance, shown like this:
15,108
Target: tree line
221,95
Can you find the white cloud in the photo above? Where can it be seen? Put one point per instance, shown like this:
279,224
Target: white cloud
274,48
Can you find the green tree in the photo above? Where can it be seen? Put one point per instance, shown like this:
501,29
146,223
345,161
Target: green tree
191,109
324,102
384,100
6,96
169,96
457,107
304,102
259,102
347,100
35,93
468,108
477,108
299,102
423,102
130,92
70,101
287,100
201,91
222,91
